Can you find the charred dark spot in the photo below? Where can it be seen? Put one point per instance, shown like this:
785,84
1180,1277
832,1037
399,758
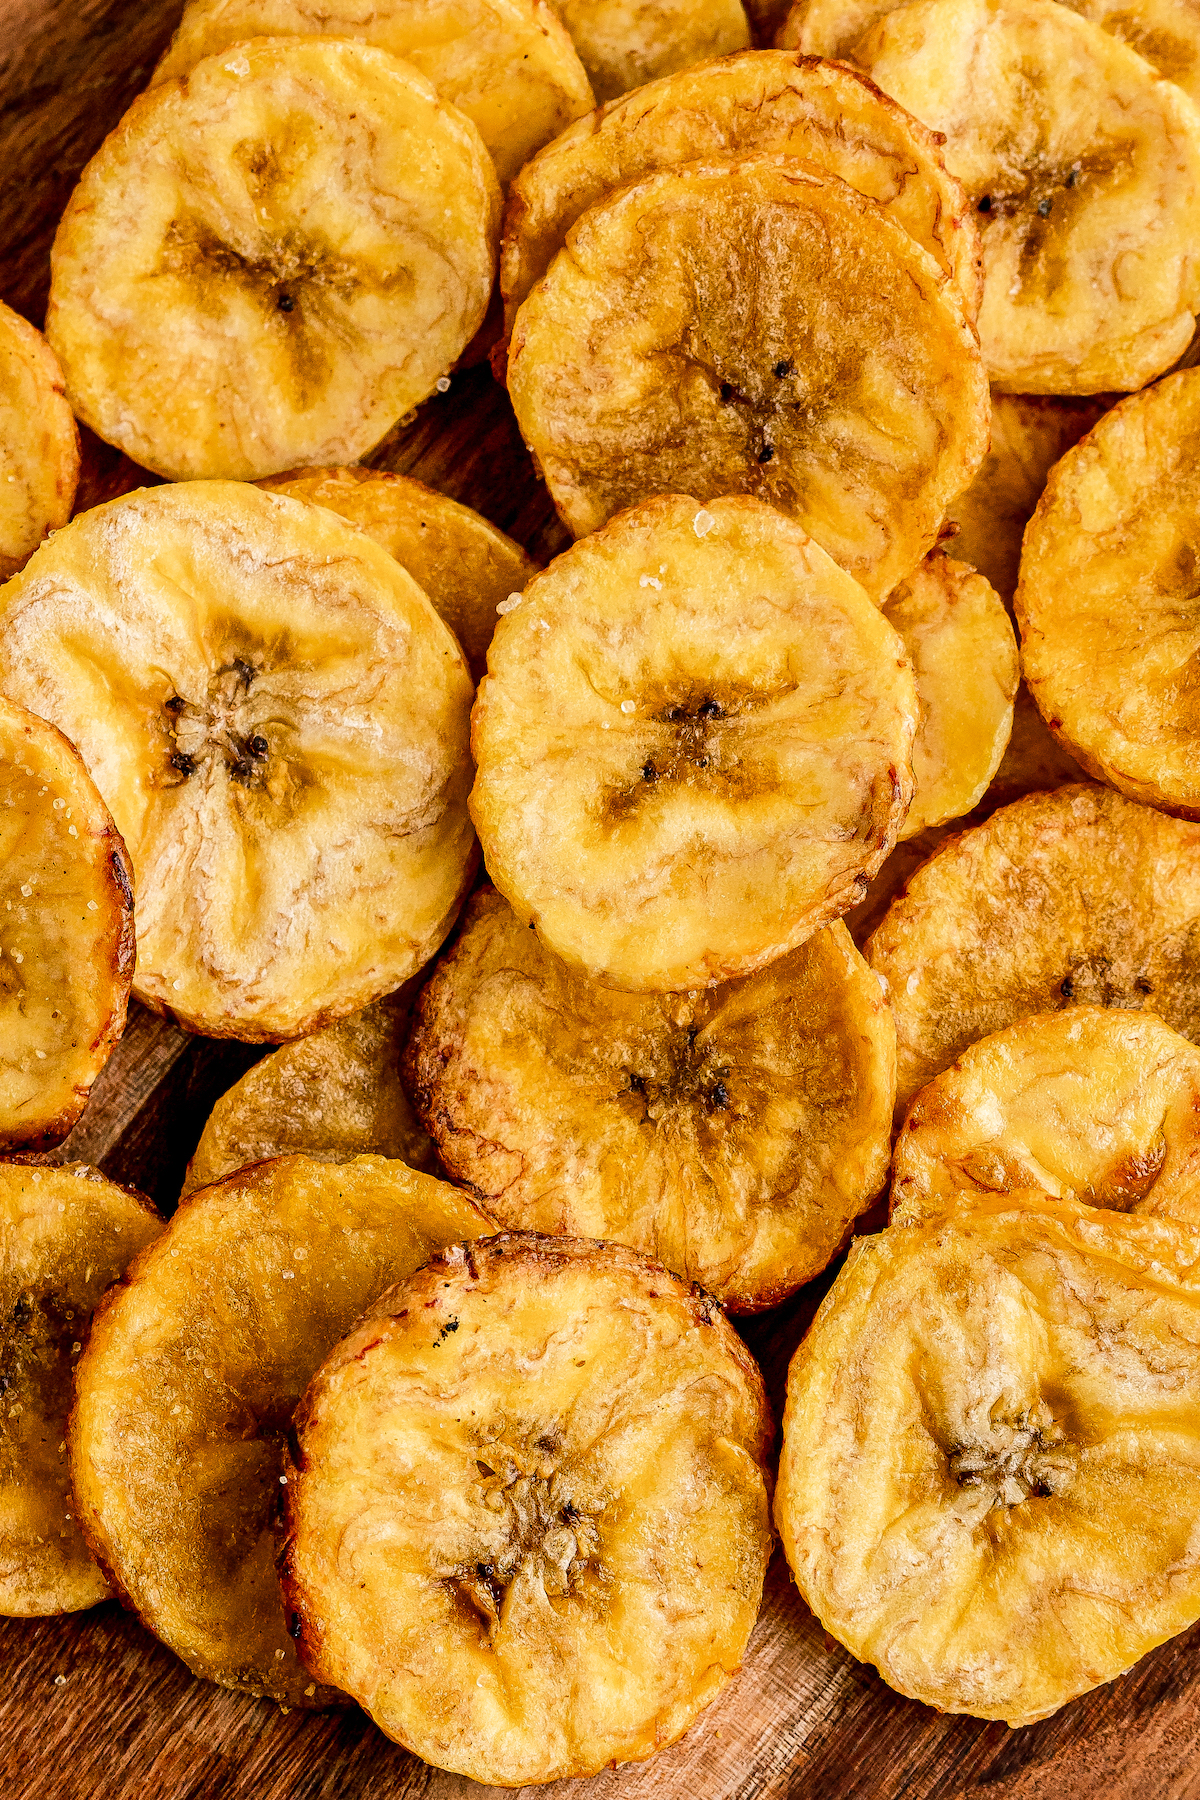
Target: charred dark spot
674,714
176,703
295,1452
243,669
710,709
295,1625
548,1443
258,746
719,1098
649,772
186,765
985,204
782,369
637,1084
726,392
1067,990
285,303
766,453
1072,178
1143,986
447,1328
22,1312
1044,207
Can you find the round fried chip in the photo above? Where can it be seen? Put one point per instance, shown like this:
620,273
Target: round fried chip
1107,605
625,43
1075,896
734,1133
466,566
66,1235
527,1512
66,932
693,745
186,1390
1084,168
333,1095
507,65
964,657
762,100
1097,1106
268,262
39,445
990,1482
754,327
278,720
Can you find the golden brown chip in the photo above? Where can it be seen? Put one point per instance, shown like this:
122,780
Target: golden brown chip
761,328
66,1235
278,719
964,658
466,566
269,262
693,745
333,1095
1084,168
507,65
39,445
1097,1106
759,101
990,1483
1107,605
527,1515
625,43
734,1134
1029,434
186,1390
1075,896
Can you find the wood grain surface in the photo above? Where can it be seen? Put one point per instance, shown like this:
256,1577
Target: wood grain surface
91,1706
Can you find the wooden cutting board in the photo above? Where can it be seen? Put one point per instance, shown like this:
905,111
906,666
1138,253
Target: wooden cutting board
91,1706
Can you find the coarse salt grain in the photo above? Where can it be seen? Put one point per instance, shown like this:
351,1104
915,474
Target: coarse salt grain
703,523
511,604
628,706
443,384
649,581
239,66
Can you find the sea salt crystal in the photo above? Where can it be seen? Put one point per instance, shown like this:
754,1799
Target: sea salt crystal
649,581
511,604
239,66
703,523
443,384
628,706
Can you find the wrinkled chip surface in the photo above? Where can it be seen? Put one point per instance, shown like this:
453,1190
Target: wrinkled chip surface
269,262
333,1095
1092,1105
66,1235
466,566
1109,600
693,745
990,1483
66,932
754,327
278,720
39,445
759,101
625,43
528,1527
734,1134
507,65
187,1386
1075,896
964,657
1084,168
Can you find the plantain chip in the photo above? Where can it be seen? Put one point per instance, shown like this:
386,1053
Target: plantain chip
39,445
625,43
1098,1106
754,327
466,566
734,1134
507,65
333,1095
1029,434
1079,896
762,100
964,657
269,262
1084,168
186,1389
66,1235
527,1509
66,933
278,719
693,745
1107,605
990,1483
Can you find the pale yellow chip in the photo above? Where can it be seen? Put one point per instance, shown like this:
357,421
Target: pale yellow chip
760,101
1084,168
278,721
1109,600
964,658
39,445
466,565
1092,1105
268,263
507,65
625,43
990,1481
693,745
754,327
